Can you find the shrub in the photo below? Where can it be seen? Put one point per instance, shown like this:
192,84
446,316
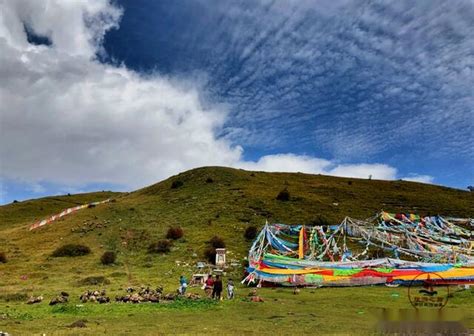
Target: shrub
210,254
217,242
176,184
161,246
250,232
71,250
108,258
283,195
3,257
78,324
209,180
349,182
174,233
210,251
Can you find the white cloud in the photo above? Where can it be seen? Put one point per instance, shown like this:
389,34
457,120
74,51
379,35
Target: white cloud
68,119
75,27
37,188
287,163
365,78
3,192
312,165
376,171
419,178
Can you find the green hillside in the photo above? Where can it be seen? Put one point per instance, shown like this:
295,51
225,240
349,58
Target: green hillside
30,211
205,202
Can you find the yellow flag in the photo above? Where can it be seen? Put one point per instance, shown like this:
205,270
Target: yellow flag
301,244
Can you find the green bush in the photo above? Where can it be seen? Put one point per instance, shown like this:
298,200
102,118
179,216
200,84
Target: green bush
217,242
161,246
210,254
108,258
176,184
283,195
210,251
71,250
250,232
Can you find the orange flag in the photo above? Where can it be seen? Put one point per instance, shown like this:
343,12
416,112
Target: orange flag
301,244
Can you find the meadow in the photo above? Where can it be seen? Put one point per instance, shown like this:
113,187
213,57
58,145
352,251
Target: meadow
316,311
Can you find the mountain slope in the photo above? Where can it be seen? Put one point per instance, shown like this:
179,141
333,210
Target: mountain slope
27,212
205,202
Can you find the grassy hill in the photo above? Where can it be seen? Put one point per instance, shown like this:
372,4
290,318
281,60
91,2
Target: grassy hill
27,212
204,202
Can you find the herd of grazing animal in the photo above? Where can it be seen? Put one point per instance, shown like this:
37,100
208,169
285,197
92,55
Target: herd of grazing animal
142,294
94,296
133,295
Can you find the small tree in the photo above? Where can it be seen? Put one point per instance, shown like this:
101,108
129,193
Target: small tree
174,233
176,184
210,251
250,233
108,258
283,195
210,254
71,250
217,242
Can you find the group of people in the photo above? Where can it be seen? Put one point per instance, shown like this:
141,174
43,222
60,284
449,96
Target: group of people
213,287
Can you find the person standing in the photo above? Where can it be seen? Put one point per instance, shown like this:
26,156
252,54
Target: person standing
230,289
183,284
217,290
209,285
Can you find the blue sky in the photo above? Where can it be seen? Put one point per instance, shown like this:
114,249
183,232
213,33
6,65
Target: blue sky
146,89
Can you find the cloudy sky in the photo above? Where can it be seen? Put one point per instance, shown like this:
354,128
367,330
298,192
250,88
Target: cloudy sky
117,95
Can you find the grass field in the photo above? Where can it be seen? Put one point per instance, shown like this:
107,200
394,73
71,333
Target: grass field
316,311
211,201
